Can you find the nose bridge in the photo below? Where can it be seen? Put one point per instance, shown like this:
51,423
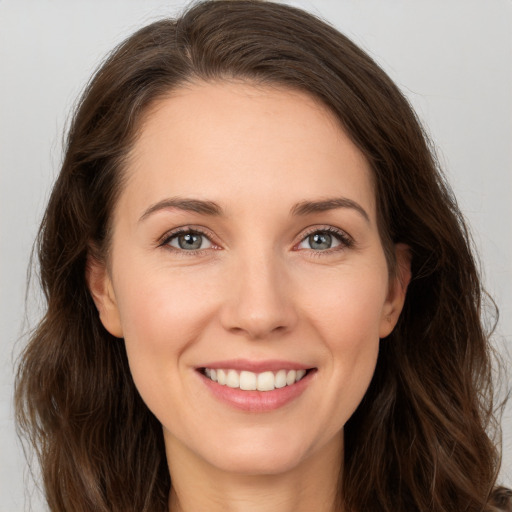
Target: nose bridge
258,303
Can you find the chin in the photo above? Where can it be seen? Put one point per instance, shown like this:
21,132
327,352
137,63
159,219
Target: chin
266,463
260,457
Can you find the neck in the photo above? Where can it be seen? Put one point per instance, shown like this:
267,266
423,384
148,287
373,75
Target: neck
311,485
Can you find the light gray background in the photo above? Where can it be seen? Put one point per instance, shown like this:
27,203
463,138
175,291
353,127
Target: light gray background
453,59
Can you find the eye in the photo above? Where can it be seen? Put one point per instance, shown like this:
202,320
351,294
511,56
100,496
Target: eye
324,239
189,241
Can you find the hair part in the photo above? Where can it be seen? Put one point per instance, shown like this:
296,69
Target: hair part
420,439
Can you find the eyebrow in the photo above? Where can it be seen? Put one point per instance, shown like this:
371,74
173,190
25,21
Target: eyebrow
211,208
308,207
189,205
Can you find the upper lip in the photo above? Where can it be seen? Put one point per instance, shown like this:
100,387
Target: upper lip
272,365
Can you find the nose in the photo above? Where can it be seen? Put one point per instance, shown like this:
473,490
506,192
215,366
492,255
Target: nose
259,302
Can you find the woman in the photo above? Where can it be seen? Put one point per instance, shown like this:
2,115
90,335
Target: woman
260,290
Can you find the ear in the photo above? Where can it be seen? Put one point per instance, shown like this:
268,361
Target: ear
397,290
102,291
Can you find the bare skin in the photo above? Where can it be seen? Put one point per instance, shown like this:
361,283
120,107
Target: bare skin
311,487
247,234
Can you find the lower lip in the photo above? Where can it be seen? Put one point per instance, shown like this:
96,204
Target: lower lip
258,401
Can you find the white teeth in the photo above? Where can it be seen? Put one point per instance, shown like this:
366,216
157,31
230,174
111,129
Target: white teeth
250,381
290,377
300,374
233,379
221,377
280,381
266,381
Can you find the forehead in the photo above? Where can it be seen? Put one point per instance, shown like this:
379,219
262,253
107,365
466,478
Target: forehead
229,141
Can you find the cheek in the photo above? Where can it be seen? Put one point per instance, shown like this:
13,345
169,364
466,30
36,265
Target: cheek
347,306
162,314
350,329
158,303
347,315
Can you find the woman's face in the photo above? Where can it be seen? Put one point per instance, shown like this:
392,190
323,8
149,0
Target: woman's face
245,249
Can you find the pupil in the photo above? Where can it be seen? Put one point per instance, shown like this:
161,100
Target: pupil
320,241
189,241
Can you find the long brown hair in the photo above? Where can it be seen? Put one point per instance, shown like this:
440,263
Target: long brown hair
421,440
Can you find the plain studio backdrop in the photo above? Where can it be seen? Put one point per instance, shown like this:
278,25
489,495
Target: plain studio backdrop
453,60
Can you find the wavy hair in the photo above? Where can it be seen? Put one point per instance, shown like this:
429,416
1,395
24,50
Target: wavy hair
422,438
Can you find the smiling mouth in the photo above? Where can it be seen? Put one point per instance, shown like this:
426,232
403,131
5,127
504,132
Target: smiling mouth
250,381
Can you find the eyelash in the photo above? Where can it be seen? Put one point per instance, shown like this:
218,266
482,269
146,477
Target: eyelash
346,242
166,239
